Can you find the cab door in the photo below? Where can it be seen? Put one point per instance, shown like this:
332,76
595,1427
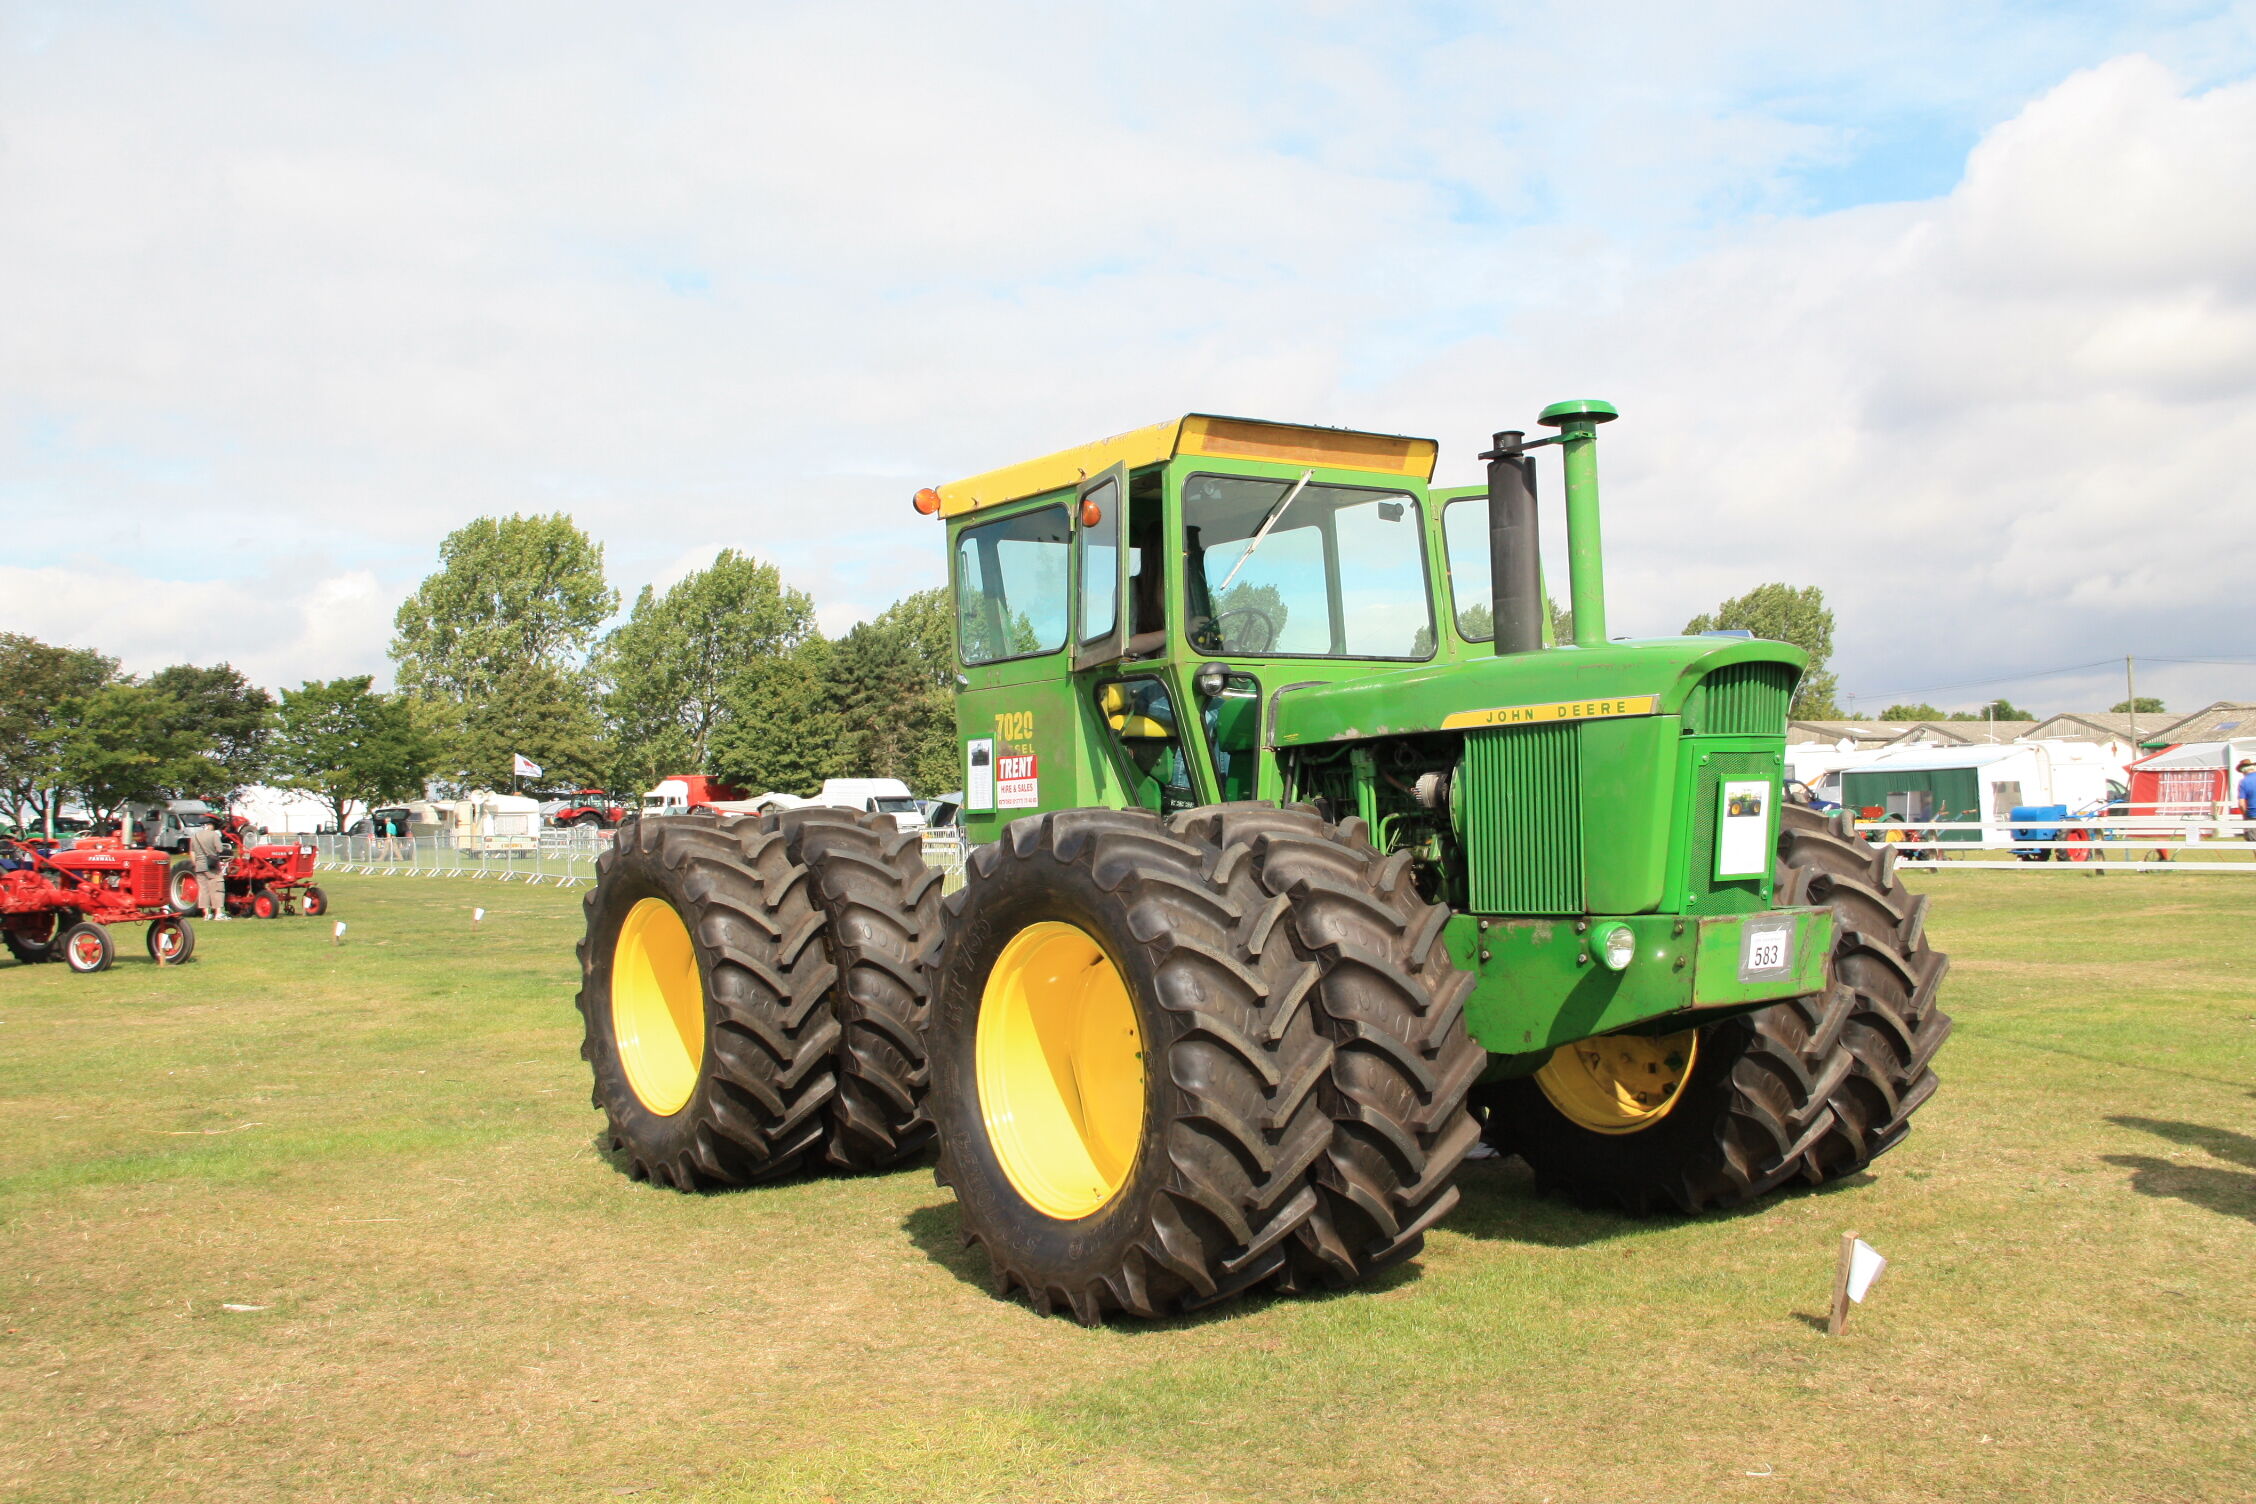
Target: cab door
1100,569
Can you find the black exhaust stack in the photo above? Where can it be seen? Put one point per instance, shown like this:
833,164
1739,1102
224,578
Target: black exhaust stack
1515,567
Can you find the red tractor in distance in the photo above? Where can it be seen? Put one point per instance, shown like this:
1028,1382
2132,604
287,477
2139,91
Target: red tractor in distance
262,881
60,904
591,808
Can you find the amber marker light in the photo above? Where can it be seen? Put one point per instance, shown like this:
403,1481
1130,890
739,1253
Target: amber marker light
926,501
1091,514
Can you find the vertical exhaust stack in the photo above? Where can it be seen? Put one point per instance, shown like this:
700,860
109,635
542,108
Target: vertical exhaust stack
1515,565
1577,423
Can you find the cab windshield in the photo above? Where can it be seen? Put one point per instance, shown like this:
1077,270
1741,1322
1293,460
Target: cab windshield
1340,572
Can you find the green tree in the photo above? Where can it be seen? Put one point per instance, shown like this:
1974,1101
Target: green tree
1920,711
533,710
493,645
231,718
2143,705
509,591
1994,710
782,731
892,682
1477,622
343,742
673,666
41,688
1782,613
1252,617
129,743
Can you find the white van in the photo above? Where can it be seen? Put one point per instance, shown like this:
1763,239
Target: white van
882,796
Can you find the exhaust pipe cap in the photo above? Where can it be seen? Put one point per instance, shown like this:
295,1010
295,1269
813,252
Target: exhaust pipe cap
1583,410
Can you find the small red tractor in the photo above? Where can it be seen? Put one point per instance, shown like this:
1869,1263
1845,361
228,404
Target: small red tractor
591,808
262,882
60,904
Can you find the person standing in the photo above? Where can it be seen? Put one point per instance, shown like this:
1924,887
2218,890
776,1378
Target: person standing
2247,771
207,850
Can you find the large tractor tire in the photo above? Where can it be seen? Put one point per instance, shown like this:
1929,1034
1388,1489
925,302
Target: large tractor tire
881,904
1808,1090
1174,1062
180,888
31,938
705,994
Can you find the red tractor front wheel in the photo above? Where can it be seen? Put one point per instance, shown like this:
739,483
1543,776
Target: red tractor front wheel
313,902
171,941
87,948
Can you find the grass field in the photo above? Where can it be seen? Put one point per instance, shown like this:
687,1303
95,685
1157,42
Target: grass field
311,1222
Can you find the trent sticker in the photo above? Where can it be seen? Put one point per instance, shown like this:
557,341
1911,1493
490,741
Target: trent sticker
1017,785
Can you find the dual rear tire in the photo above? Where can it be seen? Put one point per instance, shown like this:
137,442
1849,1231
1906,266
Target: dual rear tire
1178,1061
753,995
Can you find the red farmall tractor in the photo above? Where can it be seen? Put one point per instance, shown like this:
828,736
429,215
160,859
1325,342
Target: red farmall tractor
262,881
60,904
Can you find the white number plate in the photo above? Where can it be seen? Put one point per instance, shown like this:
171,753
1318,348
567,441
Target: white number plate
1766,949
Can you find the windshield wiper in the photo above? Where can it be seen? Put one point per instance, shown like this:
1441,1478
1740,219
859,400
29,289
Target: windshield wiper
1262,532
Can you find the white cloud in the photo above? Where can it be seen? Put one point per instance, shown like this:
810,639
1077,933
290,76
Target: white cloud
325,285
279,629
2004,429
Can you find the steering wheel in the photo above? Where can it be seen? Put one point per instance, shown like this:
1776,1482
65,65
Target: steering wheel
1268,630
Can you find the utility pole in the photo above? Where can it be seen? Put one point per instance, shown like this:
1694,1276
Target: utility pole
2130,688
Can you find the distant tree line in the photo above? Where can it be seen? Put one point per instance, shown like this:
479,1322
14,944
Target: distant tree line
75,730
501,652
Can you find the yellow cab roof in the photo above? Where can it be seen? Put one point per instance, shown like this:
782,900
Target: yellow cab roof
1195,434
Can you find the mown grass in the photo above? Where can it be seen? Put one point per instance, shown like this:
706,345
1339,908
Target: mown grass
385,1149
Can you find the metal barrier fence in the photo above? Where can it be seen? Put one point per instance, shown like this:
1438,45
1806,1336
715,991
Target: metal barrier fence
2151,843
558,858
564,858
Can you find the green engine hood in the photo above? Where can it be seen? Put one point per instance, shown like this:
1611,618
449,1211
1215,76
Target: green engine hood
1403,701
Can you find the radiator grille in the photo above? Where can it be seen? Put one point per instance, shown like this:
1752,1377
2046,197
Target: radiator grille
1706,894
1523,819
1745,699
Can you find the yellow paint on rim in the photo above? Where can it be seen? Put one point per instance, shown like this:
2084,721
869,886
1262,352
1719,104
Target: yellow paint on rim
658,1006
1619,1083
1060,1065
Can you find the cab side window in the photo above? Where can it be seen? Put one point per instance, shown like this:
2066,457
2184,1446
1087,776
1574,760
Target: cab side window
1010,586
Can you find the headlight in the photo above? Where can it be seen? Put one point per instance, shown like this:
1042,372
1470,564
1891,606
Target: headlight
1617,946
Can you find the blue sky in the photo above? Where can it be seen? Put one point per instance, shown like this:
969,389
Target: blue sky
291,291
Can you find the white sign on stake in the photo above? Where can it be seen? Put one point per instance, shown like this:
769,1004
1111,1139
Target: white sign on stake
337,936
477,916
1865,1265
1859,1265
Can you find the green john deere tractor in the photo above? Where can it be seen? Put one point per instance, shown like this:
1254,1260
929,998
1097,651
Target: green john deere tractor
1302,859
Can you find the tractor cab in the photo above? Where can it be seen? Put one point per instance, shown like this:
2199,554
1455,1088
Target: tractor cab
1126,609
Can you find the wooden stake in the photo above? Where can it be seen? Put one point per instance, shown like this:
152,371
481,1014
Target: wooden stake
1840,1316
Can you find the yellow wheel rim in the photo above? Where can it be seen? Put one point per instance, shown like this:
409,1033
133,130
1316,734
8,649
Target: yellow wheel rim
658,1006
1619,1083
1060,1064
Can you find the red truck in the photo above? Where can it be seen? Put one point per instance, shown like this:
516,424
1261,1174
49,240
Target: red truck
680,793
